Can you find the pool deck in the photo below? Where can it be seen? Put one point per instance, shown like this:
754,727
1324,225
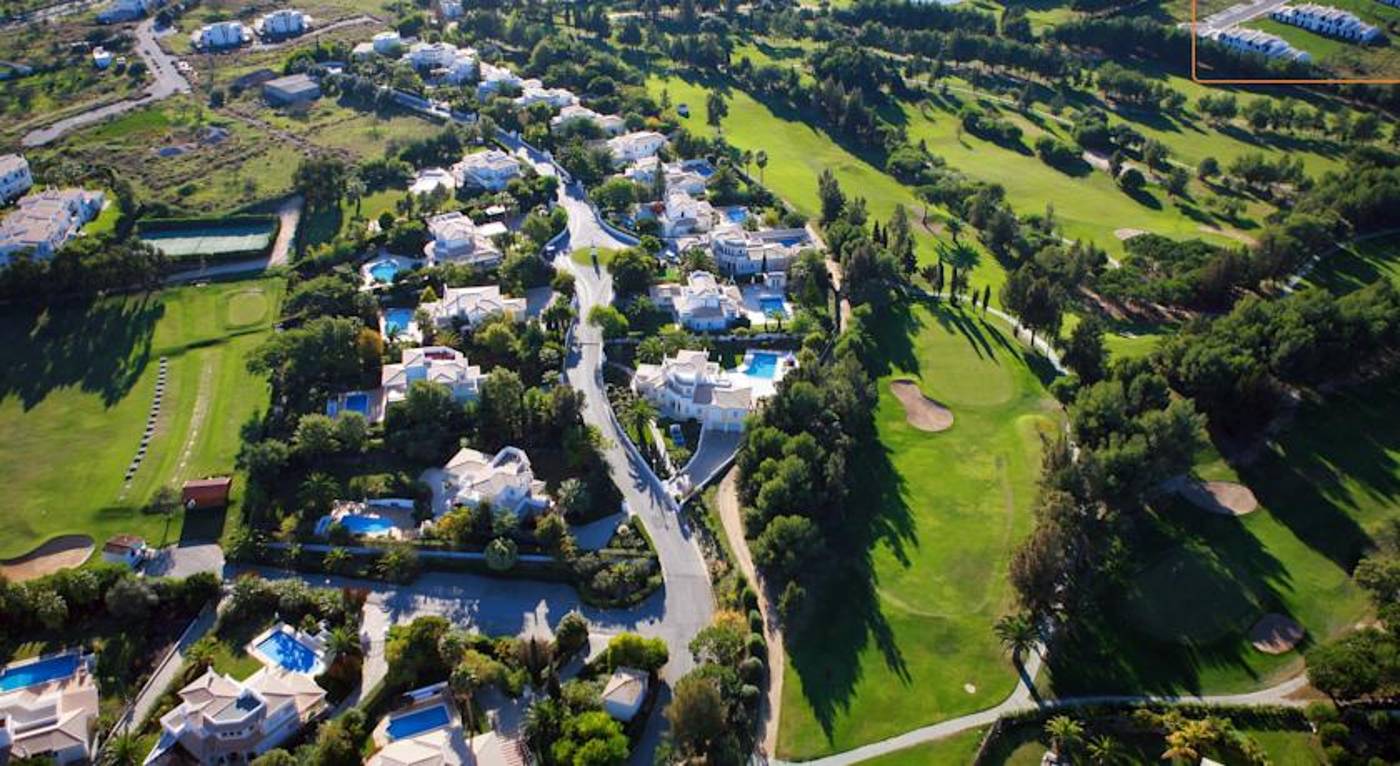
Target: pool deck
313,645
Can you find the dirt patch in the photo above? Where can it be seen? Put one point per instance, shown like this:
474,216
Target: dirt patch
1238,236
1275,634
1223,497
922,412
62,552
1125,234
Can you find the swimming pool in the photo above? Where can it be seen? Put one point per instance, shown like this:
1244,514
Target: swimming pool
366,525
358,403
384,271
397,320
417,722
289,653
770,304
736,214
762,364
38,672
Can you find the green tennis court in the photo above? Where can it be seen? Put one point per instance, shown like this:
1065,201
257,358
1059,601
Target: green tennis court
211,240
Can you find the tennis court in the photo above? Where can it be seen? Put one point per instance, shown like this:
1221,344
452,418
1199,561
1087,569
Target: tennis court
211,240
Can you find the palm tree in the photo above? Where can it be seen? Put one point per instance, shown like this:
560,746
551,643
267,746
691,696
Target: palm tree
1189,738
638,414
355,192
775,315
343,642
463,684
542,724
1017,633
1064,732
1106,751
122,750
746,159
761,160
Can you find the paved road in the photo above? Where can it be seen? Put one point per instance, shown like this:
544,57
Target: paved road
714,451
167,82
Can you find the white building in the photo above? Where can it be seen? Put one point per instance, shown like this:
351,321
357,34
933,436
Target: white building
435,364
284,22
1259,42
431,55
505,481
494,79
702,303
688,386
473,305
630,147
53,717
1325,20
533,92
450,10
45,221
624,693
683,214
125,10
427,180
387,43
490,170
101,57
221,720
679,177
463,68
608,124
457,239
15,178
221,35
739,252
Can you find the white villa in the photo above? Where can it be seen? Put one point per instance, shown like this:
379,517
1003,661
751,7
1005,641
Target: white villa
490,170
419,735
449,9
125,10
221,35
533,92
624,693
630,147
1259,42
608,124
473,305
55,717
457,239
505,480
1325,20
494,78
679,175
435,364
740,252
386,43
45,221
429,179
680,214
455,65
284,22
15,178
702,303
222,720
688,386
124,549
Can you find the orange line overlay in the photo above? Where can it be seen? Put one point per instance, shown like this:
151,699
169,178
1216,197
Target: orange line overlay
1230,81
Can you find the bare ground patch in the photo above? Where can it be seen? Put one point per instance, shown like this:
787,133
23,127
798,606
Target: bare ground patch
63,552
1126,234
1223,497
922,412
1275,634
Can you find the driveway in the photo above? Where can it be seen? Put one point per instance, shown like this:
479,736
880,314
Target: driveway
167,81
713,453
185,560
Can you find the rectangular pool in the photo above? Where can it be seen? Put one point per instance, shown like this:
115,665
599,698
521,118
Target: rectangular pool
38,672
289,653
417,722
366,525
397,320
771,304
762,365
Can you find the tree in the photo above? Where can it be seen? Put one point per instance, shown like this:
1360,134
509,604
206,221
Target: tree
833,200
49,607
337,560
1188,739
1084,351
131,599
571,634
1350,667
697,715
399,563
554,536
716,108
317,492
632,270
502,407
634,651
543,724
786,545
351,431
591,739
760,158
320,180
573,498
123,750
609,320
1017,634
1105,750
1132,180
501,554
1065,733
314,436
1209,168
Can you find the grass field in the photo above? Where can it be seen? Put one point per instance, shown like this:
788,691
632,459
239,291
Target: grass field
1359,264
914,643
76,389
1344,58
959,748
1024,745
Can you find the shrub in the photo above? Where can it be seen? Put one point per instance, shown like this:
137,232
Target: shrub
756,645
632,650
501,554
751,669
572,633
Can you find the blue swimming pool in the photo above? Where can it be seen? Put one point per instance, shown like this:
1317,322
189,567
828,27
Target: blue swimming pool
791,241
288,652
358,403
366,525
42,671
418,721
384,271
772,303
762,364
736,214
397,320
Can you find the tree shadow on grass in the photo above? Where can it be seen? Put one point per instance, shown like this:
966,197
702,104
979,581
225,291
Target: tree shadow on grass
101,347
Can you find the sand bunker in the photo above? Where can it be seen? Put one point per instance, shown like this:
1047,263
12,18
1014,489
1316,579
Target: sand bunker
1124,234
58,553
1223,497
922,412
1275,634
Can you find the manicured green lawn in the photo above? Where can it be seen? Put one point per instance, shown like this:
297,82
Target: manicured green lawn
1024,745
959,748
913,643
1357,265
76,388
